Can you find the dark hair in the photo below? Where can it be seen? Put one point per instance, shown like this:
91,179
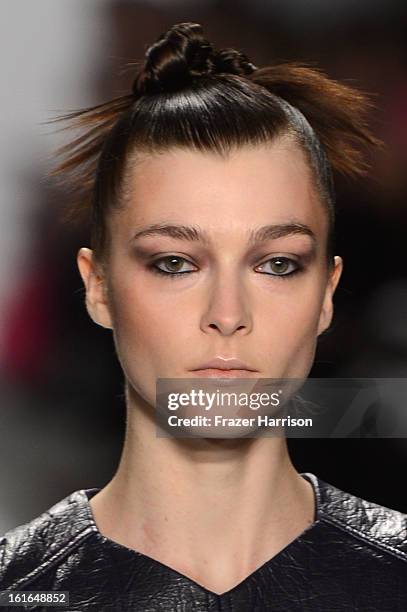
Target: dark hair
187,94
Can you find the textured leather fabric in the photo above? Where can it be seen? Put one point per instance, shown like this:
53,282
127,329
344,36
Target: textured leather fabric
353,557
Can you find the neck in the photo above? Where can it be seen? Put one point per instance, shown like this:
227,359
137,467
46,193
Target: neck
238,502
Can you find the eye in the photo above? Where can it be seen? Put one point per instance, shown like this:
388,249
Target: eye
279,266
172,265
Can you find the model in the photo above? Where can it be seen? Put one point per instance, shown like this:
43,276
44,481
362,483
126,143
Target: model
212,255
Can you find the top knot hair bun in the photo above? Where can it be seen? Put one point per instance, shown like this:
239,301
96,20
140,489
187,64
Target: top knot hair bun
181,55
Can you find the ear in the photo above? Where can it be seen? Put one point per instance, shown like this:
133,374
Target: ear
96,294
327,309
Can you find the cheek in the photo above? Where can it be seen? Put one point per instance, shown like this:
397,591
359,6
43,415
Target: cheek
292,306
148,324
301,318
292,320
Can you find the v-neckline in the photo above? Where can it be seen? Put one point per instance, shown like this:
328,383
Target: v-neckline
311,478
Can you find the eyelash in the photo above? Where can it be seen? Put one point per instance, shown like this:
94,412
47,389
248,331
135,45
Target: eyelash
153,267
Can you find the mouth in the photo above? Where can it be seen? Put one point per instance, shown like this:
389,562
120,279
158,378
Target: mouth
225,367
221,373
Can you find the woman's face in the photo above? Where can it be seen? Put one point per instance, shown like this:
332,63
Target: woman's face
216,258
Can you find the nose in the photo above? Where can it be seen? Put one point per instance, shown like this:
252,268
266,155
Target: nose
227,310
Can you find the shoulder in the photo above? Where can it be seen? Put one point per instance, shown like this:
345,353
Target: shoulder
359,521
29,550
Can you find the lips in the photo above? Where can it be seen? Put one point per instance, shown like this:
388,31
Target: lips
225,367
218,373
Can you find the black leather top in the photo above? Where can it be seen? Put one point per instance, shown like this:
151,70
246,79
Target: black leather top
353,557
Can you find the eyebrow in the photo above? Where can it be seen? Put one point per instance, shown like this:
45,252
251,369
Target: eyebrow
195,234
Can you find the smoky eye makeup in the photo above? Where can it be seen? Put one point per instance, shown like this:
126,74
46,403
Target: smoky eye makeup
172,265
175,266
164,263
282,264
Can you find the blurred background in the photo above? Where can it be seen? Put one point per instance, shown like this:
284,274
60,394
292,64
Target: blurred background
61,407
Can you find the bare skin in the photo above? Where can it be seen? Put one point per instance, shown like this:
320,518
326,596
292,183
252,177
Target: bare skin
213,509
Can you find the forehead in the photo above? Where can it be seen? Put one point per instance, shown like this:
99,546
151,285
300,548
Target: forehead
249,187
